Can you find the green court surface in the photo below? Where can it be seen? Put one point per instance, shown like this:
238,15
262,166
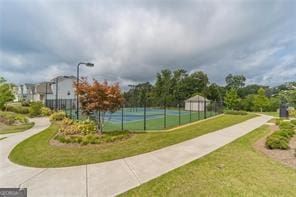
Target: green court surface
140,119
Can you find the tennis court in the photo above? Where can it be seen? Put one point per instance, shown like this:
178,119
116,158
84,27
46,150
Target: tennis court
139,119
151,118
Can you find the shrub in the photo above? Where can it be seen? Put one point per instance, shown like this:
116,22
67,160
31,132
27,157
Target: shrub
293,122
292,112
235,112
279,139
35,108
92,138
17,109
277,142
278,121
70,127
10,118
25,103
7,120
286,125
57,116
45,111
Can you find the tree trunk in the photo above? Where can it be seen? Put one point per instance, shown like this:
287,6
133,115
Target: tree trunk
99,124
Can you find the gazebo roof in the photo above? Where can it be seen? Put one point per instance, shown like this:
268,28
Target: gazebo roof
196,98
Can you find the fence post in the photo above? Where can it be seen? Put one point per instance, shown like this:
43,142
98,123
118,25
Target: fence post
198,108
205,109
70,108
122,118
190,103
179,113
145,115
164,122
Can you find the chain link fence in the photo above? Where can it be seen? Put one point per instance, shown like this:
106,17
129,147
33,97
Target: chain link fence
146,116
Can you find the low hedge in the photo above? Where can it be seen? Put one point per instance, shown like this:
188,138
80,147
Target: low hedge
286,125
280,139
57,116
277,142
17,109
235,112
93,138
10,118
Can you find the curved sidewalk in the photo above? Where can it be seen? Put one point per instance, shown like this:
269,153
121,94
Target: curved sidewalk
113,177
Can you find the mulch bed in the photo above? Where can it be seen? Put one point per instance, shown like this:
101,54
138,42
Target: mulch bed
286,157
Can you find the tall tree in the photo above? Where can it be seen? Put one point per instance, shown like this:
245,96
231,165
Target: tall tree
6,94
199,82
99,98
235,81
288,96
260,100
250,89
231,99
215,92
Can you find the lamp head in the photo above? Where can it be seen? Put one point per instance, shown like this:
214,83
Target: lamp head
89,64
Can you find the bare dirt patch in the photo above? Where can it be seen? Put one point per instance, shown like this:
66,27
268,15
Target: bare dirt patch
287,157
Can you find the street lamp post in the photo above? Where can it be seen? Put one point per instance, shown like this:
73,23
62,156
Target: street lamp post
77,96
57,89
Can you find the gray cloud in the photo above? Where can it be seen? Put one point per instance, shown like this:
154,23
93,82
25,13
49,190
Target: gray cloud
129,41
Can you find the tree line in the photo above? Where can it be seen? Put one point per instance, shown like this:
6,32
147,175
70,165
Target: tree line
173,87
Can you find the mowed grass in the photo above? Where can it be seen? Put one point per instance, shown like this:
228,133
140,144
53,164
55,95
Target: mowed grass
4,129
236,169
274,114
37,152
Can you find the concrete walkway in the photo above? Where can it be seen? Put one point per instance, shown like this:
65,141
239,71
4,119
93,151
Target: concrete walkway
114,177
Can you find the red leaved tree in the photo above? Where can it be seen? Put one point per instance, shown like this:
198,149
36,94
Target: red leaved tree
98,98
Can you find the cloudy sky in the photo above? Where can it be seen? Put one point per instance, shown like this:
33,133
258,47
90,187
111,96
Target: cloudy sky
129,41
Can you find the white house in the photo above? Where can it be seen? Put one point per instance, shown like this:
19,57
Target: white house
60,88
196,103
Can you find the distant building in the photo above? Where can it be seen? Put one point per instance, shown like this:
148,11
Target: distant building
195,103
65,87
61,88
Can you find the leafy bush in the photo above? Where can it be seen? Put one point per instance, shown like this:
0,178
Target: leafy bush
92,138
234,112
35,108
57,116
292,111
278,121
17,109
280,139
286,125
293,122
10,118
25,103
45,111
70,127
277,142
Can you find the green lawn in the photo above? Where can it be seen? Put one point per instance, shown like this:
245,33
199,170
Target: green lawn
16,128
37,152
237,169
274,114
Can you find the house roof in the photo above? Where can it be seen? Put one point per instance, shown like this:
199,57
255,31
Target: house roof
41,88
196,98
63,77
30,87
